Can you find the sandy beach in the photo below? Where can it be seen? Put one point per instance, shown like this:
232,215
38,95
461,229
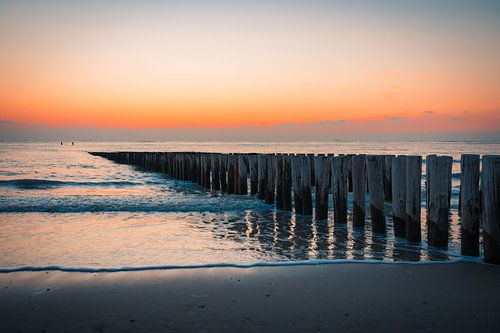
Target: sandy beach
341,297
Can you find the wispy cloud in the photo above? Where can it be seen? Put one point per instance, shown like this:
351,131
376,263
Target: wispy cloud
428,112
8,122
329,122
394,118
454,118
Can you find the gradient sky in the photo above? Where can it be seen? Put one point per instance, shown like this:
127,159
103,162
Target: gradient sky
176,64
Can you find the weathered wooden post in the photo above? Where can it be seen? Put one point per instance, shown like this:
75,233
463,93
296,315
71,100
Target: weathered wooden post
490,188
297,183
242,175
287,183
388,177
231,166
223,172
262,176
321,168
306,185
349,172
398,185
340,188
358,191
470,211
279,180
215,172
413,199
438,202
270,186
374,164
254,174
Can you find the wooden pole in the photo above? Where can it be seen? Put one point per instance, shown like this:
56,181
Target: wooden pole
297,183
279,176
254,174
223,172
262,176
413,200
321,168
349,172
270,186
215,172
231,162
374,164
242,175
340,188
438,202
398,186
306,185
358,191
287,183
470,211
490,187
388,177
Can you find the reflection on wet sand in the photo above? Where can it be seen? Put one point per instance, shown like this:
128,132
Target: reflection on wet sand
286,236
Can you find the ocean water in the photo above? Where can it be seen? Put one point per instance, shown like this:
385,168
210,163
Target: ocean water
60,206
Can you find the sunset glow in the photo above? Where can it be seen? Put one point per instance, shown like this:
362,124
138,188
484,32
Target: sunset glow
225,64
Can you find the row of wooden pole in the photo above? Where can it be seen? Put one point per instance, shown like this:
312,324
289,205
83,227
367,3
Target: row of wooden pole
287,180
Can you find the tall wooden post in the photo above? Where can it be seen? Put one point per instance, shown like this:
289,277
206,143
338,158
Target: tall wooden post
398,185
413,199
270,187
231,174
297,183
358,191
262,176
287,183
279,176
490,187
223,172
321,168
470,210
340,188
374,164
306,185
388,177
242,175
254,174
215,172
438,201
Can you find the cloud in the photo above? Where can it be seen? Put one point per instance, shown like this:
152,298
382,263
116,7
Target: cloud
428,112
394,118
329,122
454,118
8,122
466,111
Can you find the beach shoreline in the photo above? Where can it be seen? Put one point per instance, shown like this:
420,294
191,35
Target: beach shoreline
304,298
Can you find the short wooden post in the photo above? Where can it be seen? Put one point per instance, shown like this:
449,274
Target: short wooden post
242,175
279,180
287,183
374,164
270,182
413,199
254,174
438,202
306,186
262,176
340,188
490,188
321,168
297,183
398,185
388,177
358,191
470,211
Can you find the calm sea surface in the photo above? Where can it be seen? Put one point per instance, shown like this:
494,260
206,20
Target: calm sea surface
61,206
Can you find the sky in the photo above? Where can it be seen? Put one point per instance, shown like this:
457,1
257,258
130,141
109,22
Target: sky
308,69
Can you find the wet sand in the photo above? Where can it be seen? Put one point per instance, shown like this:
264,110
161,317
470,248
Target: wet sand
342,297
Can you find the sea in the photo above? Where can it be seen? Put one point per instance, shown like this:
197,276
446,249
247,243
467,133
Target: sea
62,208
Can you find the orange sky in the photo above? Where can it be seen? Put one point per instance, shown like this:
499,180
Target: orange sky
161,64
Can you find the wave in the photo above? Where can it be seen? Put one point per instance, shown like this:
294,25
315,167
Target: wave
32,184
232,265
